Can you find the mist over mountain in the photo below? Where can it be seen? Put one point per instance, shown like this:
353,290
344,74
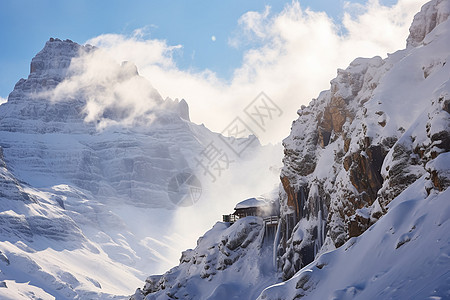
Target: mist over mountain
102,179
103,182
363,197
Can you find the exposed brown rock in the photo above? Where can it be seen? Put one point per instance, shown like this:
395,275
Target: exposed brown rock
347,142
365,172
290,192
439,182
333,118
446,106
357,225
335,113
347,162
420,151
296,198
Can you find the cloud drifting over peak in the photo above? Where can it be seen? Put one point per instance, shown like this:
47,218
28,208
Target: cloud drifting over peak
114,93
292,56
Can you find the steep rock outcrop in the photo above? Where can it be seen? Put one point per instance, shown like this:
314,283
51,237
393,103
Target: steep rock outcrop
49,137
215,268
10,188
354,149
430,16
404,256
373,148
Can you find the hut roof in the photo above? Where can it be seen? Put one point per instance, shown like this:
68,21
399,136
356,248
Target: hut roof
251,202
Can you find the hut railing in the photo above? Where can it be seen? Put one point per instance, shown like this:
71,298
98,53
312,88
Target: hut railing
271,220
231,218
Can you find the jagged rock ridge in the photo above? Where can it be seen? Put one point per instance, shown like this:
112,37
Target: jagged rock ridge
354,148
215,268
370,153
104,162
84,192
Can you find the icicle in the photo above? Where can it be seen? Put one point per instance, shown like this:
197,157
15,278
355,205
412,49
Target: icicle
319,229
276,241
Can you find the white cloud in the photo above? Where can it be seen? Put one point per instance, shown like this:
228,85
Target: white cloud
113,92
383,25
298,54
251,27
3,100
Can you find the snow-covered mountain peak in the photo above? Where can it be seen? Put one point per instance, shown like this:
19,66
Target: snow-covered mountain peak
90,163
179,106
361,212
56,56
431,15
74,88
48,68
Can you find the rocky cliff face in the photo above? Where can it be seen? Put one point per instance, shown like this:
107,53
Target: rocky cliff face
374,148
85,194
47,138
383,124
28,110
229,262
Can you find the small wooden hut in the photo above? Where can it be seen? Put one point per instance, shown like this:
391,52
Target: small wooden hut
253,207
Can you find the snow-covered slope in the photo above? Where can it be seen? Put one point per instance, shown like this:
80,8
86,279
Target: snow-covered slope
86,202
46,253
48,141
378,146
383,125
364,188
405,255
229,262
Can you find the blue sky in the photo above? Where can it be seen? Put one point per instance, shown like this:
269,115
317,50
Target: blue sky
25,25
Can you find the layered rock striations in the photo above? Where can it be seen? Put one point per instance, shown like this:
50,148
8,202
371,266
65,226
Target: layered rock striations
383,124
374,148
49,137
88,150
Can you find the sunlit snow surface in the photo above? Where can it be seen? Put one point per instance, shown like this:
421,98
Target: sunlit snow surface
405,255
229,262
84,209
